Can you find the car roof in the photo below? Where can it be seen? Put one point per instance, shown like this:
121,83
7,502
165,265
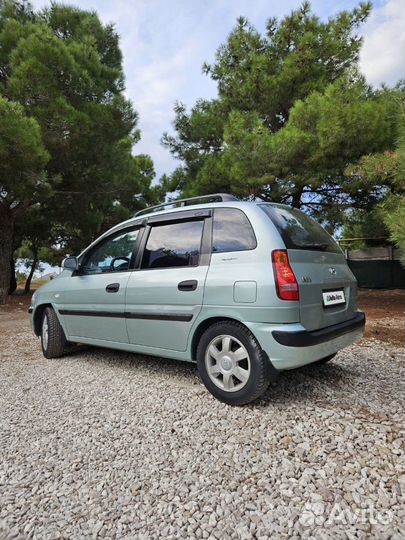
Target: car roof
212,204
136,220
243,205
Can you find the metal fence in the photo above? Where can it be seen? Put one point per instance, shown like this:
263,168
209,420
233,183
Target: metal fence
377,267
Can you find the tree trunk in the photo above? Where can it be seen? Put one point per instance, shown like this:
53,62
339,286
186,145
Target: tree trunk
296,198
33,266
13,280
7,219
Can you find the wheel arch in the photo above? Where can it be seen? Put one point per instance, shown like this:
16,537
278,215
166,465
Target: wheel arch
202,327
38,317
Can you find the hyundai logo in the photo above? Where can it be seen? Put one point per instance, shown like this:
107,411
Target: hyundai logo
332,270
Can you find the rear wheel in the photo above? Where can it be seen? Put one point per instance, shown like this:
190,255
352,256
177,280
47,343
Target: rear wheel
326,359
53,339
231,363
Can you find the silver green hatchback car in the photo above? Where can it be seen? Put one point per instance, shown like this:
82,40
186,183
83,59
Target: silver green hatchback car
244,289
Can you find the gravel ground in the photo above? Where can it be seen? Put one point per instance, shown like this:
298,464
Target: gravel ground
103,444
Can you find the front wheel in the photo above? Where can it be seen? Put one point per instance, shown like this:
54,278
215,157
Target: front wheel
231,363
53,339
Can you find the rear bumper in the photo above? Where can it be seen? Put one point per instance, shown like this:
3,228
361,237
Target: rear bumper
290,345
304,338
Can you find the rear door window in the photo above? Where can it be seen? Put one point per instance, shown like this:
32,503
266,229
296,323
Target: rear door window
298,230
232,231
173,244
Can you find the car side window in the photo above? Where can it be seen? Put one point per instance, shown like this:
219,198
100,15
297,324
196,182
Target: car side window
112,255
173,244
232,231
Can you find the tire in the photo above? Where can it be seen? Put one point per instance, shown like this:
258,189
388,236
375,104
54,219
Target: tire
324,360
232,365
53,339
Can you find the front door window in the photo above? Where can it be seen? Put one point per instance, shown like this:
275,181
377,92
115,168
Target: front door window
113,255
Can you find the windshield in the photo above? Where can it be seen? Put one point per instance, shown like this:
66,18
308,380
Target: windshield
298,230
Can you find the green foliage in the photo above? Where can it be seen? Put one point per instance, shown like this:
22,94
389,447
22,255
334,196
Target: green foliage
328,131
297,55
22,176
20,277
22,156
385,170
64,67
366,227
292,114
393,216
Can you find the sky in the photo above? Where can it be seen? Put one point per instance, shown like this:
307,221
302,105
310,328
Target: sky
165,42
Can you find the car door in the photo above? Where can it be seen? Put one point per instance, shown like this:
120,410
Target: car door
165,294
93,302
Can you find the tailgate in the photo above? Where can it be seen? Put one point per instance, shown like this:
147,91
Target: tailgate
322,278
327,287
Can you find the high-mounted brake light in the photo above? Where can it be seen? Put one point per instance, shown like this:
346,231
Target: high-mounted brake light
286,282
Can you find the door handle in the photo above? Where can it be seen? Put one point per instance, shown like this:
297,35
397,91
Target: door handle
189,285
113,287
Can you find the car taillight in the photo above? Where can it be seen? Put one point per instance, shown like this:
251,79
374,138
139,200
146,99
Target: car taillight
286,283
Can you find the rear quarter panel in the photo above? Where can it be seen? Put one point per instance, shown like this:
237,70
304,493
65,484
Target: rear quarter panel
240,284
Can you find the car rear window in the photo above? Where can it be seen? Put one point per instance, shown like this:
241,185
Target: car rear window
298,230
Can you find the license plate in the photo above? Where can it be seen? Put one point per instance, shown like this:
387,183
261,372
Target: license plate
333,298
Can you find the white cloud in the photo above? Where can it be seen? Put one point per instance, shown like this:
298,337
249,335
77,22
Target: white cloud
382,55
165,65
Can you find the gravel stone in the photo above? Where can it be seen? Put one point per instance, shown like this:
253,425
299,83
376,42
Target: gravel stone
105,444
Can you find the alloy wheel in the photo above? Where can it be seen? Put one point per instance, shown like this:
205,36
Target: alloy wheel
45,332
227,362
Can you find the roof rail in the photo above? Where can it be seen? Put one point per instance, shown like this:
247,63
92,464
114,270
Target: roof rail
213,197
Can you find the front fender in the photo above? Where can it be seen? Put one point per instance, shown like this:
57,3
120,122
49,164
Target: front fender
36,316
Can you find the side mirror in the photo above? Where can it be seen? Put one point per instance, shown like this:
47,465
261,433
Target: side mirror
71,263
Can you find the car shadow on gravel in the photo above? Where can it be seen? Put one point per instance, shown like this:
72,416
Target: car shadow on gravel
307,383
167,367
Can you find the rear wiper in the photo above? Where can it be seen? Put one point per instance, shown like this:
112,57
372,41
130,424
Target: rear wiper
315,245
